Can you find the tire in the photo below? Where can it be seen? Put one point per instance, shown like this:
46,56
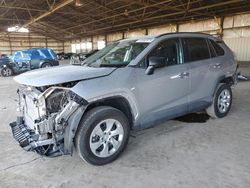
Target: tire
94,142
222,102
44,65
6,72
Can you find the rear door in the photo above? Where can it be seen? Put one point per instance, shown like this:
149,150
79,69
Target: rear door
219,65
35,59
163,94
197,55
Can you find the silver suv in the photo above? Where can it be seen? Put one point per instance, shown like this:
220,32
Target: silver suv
130,84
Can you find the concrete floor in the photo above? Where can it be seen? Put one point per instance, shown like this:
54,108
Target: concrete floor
213,154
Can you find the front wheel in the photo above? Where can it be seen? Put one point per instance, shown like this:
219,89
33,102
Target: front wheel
6,72
222,102
102,135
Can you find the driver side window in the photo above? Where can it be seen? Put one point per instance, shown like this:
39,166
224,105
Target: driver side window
168,50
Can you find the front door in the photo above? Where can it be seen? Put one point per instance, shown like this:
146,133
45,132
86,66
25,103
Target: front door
163,95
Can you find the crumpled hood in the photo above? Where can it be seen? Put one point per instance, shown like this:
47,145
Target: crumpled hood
61,74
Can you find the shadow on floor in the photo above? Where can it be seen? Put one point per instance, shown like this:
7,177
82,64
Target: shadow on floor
194,118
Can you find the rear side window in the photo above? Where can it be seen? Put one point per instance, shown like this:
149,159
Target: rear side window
211,49
47,53
219,50
52,53
195,49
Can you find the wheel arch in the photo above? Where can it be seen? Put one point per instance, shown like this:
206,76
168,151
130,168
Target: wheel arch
118,102
42,62
227,80
223,80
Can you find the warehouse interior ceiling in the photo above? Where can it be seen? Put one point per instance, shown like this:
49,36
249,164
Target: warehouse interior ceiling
71,19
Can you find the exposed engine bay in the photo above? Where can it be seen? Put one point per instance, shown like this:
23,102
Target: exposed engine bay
44,114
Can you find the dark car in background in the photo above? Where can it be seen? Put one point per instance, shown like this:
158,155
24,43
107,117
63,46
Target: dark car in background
5,63
77,59
27,60
63,55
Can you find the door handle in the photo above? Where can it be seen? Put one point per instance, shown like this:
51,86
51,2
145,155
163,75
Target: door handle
217,65
181,75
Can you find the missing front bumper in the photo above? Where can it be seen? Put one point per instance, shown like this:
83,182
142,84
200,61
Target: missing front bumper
28,140
21,134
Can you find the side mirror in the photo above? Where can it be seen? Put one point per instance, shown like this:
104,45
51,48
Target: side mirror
154,62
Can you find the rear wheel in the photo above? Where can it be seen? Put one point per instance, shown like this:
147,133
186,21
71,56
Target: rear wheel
222,102
46,65
6,72
102,135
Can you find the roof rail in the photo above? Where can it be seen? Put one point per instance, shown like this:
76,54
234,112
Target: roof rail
185,33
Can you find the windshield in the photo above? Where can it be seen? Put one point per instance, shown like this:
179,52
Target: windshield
117,54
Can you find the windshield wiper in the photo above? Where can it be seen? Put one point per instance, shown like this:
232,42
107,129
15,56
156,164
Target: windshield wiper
113,65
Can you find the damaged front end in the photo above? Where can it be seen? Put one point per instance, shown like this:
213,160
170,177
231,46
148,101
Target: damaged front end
48,119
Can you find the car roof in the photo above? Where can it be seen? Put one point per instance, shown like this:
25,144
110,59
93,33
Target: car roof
177,34
33,49
146,37
190,34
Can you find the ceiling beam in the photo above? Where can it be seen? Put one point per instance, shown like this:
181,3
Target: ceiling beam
98,4
159,6
55,8
167,15
120,14
21,8
166,7
56,29
26,8
45,33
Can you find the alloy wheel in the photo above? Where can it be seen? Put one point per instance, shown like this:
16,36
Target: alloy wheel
224,101
106,138
6,72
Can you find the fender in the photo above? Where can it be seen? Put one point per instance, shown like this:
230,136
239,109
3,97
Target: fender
98,90
223,79
9,66
71,129
75,119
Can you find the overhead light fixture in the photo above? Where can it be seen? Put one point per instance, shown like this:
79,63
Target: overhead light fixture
23,30
18,29
78,3
126,12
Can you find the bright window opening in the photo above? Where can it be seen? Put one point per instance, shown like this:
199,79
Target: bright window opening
100,44
89,46
78,46
81,47
73,48
18,29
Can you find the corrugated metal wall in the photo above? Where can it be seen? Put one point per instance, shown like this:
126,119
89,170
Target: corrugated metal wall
162,29
114,37
240,46
19,41
236,35
134,33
